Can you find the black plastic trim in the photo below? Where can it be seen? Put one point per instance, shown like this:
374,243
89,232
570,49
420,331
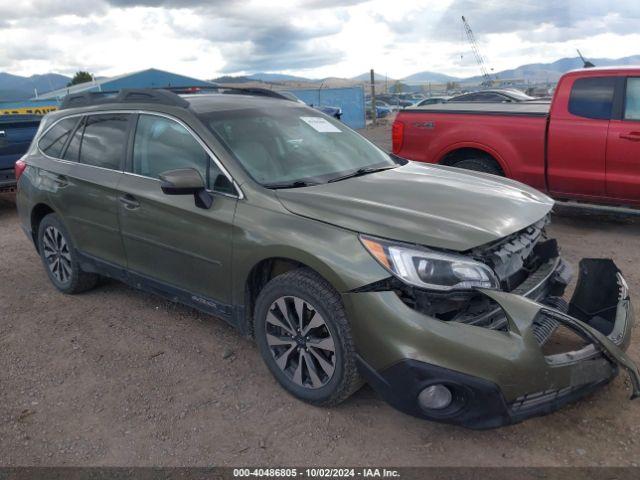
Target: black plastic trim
126,95
617,109
480,403
483,404
226,312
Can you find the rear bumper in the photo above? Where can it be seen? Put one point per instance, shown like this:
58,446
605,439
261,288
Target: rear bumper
496,377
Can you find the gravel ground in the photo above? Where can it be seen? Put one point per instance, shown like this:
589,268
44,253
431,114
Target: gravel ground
119,377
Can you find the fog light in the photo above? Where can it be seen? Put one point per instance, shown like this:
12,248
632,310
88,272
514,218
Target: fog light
435,397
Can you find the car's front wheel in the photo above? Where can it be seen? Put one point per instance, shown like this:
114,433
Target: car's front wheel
302,331
60,258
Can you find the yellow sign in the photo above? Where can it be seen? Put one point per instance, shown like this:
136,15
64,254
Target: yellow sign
43,110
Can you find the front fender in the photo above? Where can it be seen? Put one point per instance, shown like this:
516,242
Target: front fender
335,253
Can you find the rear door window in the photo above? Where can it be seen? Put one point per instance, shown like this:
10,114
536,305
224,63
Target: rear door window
52,142
104,140
592,97
632,99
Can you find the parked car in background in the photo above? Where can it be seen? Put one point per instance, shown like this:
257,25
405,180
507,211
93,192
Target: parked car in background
335,112
432,101
16,134
585,145
396,101
437,286
382,109
502,95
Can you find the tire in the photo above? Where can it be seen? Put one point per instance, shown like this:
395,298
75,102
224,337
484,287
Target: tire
302,372
60,259
480,164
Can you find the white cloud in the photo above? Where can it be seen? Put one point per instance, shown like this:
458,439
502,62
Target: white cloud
315,38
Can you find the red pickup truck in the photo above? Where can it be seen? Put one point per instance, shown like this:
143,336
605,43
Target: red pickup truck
584,145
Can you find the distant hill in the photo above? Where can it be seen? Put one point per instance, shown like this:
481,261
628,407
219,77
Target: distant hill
277,77
16,87
366,77
430,77
232,79
551,72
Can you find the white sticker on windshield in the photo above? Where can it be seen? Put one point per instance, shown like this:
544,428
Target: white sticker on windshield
321,125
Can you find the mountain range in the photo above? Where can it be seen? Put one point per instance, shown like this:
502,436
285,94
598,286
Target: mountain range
551,72
15,87
532,72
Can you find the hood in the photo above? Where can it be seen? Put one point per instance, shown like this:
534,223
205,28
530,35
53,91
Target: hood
431,205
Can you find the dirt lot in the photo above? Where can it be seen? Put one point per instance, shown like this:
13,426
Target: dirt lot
119,377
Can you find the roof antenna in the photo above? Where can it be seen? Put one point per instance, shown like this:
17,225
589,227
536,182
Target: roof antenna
586,63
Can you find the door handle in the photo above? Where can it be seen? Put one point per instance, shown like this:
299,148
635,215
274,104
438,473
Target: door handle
129,201
633,136
61,181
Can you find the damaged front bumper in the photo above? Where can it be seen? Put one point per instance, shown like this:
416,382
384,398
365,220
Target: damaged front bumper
497,377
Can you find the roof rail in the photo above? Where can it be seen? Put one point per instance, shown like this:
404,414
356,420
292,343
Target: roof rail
263,92
126,95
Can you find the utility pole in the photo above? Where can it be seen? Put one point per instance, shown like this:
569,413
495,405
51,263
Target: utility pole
373,99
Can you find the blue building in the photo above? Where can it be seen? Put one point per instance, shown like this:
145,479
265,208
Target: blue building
349,99
151,78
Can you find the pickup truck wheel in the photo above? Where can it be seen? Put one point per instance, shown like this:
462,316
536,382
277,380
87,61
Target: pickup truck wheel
484,165
60,259
304,338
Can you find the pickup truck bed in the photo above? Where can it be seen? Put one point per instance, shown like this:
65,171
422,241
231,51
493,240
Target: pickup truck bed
445,132
525,109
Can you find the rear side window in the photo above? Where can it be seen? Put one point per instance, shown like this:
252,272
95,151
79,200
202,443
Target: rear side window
632,100
73,149
52,142
592,97
103,140
471,97
492,97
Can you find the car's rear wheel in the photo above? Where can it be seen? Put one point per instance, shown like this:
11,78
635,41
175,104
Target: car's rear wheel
59,257
480,164
301,329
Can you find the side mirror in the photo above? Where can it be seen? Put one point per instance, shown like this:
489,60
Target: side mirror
186,181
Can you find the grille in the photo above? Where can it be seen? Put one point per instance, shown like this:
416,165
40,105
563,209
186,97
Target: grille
513,254
532,400
543,328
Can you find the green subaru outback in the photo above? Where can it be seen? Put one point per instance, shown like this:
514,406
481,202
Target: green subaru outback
437,286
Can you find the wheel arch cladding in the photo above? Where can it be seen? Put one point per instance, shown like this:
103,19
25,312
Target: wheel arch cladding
258,277
38,212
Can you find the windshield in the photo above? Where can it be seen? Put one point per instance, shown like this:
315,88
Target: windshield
282,145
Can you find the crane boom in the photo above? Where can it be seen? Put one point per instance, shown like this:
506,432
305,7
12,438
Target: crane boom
476,52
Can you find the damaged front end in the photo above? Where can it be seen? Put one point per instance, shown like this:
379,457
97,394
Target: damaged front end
487,357
599,314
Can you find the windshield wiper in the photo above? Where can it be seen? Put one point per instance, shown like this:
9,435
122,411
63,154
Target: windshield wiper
295,184
361,171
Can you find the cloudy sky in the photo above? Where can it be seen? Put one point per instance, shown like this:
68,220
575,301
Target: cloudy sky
315,38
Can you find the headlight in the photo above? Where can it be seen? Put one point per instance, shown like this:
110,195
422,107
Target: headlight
430,269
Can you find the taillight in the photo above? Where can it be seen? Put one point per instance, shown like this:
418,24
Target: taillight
397,136
19,167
